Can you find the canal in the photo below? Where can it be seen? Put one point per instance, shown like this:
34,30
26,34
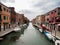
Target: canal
31,36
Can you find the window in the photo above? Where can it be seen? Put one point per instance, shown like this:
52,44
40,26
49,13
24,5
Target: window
47,19
5,18
0,8
58,11
4,9
58,28
0,18
55,11
51,12
0,27
54,27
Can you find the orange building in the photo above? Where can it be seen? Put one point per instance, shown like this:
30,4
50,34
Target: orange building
4,17
39,19
42,18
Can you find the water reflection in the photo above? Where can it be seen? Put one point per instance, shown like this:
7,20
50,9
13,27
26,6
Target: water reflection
31,36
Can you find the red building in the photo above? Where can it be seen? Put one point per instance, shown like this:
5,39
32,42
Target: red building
20,18
13,15
53,14
52,18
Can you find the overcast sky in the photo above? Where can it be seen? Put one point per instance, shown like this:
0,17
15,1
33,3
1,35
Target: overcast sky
32,8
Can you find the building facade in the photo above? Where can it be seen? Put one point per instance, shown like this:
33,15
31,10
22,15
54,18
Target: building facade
4,17
19,18
42,18
53,14
38,20
13,15
54,22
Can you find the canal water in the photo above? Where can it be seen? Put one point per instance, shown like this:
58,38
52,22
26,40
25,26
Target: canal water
31,36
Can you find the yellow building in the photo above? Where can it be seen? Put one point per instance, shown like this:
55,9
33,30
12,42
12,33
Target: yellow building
42,18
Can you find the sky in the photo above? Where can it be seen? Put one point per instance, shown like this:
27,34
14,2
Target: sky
32,8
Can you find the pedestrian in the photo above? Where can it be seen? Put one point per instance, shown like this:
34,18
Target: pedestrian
9,25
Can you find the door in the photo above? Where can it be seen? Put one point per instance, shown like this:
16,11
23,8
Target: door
0,27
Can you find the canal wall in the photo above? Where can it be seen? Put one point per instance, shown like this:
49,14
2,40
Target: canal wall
8,31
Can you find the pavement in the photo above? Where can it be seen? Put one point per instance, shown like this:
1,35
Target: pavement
2,33
6,31
57,34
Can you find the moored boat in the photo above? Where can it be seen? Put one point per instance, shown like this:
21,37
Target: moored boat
48,35
57,42
41,30
16,29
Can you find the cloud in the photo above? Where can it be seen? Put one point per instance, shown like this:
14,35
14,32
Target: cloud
10,1
40,7
25,11
32,8
28,13
44,6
